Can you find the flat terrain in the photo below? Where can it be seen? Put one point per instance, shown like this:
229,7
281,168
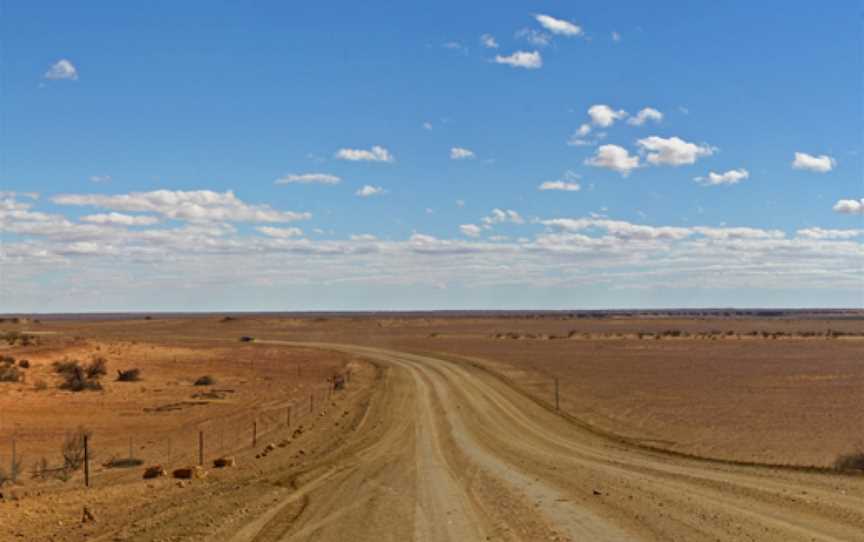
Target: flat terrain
447,432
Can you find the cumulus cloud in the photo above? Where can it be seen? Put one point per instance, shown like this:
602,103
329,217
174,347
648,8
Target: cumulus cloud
733,176
471,230
281,233
62,69
616,37
850,206
488,41
500,216
194,205
558,26
819,164
534,37
308,178
820,233
369,190
604,116
459,153
566,183
376,154
559,185
672,151
643,116
615,158
363,237
120,219
100,179
619,228
427,125
521,59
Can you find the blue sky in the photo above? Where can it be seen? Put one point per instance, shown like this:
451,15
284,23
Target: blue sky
718,161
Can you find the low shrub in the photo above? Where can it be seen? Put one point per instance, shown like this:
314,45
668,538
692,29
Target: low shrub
40,385
73,448
129,375
850,462
205,380
80,378
24,363
10,373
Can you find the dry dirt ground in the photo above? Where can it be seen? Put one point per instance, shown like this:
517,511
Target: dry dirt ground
434,446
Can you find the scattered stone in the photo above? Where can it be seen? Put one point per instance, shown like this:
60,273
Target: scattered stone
224,462
597,492
189,473
269,448
87,516
154,471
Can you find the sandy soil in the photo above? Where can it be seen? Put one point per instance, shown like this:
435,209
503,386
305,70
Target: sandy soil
446,433
434,450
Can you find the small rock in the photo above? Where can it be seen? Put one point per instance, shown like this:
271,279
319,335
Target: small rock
87,516
154,471
597,492
223,462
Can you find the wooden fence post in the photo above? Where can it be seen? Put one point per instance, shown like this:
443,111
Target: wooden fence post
86,460
201,448
311,402
254,433
557,403
288,416
13,468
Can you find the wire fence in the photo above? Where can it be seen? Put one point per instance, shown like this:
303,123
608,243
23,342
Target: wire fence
103,458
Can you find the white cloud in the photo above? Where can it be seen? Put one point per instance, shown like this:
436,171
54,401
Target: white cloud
427,125
488,41
819,233
578,139
733,176
367,237
672,151
615,158
471,230
460,203
819,164
500,216
559,185
616,37
369,190
566,183
646,114
280,233
558,26
376,154
308,178
194,205
620,228
534,37
120,219
62,69
100,179
458,153
850,206
604,116
521,59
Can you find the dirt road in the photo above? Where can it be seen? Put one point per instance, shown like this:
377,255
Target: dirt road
449,452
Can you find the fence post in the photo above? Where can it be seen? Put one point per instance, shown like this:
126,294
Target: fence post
557,403
201,448
254,433
13,468
86,461
311,402
288,416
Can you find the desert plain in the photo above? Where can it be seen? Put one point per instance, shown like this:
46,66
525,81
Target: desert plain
677,425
